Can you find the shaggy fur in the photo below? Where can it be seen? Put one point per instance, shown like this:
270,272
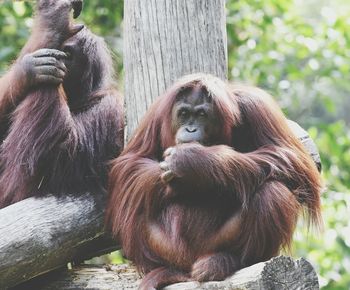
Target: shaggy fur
232,204
57,139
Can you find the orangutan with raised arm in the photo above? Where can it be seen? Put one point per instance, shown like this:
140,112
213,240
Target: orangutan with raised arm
60,117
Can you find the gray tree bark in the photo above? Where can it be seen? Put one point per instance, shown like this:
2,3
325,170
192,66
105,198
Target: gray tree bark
278,273
38,235
166,39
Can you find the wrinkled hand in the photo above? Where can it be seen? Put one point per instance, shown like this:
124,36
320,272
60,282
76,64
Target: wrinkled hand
167,174
44,66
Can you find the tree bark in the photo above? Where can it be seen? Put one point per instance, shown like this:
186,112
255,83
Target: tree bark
166,39
38,235
278,273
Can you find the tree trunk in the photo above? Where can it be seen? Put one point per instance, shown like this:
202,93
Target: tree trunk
278,273
38,235
166,39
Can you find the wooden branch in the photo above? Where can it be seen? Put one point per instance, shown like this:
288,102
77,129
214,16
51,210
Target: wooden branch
278,273
38,235
166,39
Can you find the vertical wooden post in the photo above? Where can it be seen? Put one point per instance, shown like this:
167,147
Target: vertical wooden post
165,39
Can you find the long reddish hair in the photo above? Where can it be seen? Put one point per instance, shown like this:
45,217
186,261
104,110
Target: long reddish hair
250,120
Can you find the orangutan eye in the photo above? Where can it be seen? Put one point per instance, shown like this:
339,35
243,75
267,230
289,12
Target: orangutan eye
202,113
183,113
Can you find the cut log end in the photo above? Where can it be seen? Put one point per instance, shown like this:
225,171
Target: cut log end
286,273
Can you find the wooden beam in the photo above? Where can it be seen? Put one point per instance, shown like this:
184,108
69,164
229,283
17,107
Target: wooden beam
38,235
278,273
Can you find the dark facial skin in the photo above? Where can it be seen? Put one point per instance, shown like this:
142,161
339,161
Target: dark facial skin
75,62
194,118
71,49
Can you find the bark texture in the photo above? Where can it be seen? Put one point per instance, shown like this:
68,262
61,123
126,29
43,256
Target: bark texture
38,235
278,273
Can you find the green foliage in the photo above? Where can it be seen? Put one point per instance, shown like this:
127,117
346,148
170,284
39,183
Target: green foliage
299,55
299,51
334,141
330,250
14,23
103,17
115,257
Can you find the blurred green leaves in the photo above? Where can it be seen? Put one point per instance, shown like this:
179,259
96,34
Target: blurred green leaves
103,17
300,54
14,30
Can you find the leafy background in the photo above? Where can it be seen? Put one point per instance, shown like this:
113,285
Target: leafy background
299,51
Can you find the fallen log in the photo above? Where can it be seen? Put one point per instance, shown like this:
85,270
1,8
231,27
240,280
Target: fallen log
38,235
278,273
